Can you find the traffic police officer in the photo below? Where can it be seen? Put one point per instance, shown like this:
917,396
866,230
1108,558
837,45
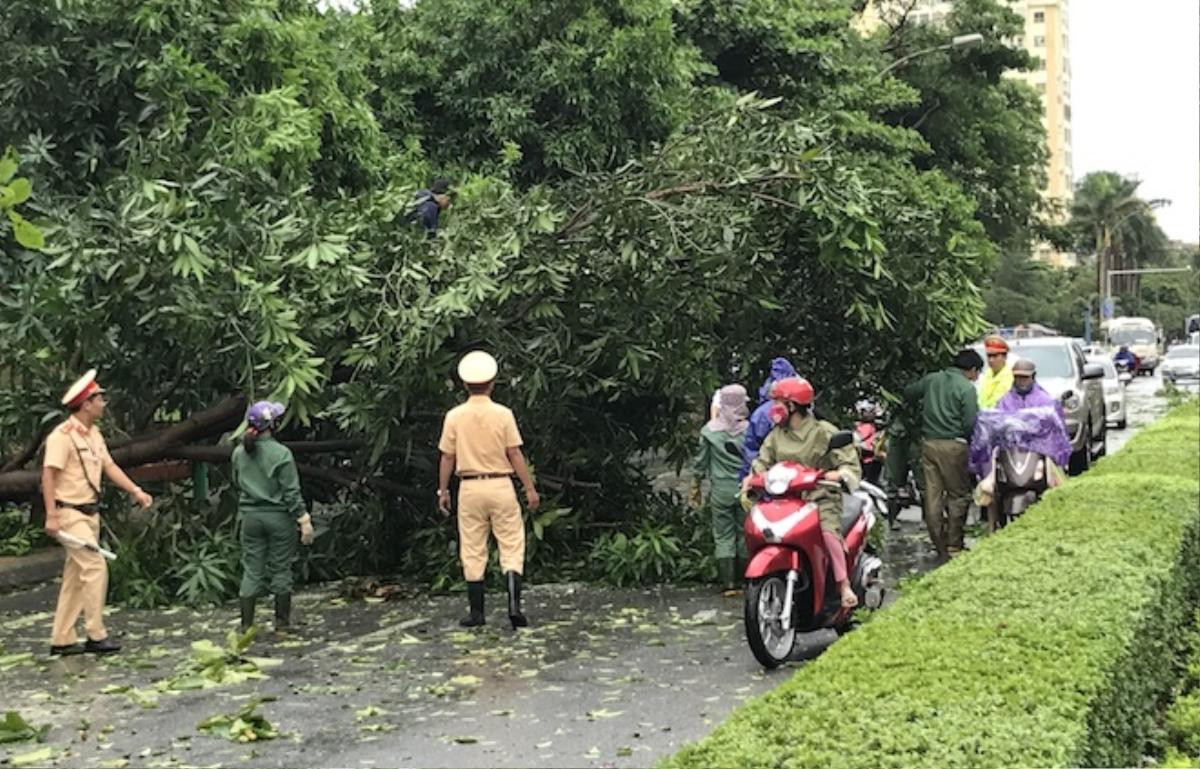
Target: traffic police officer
480,443
76,458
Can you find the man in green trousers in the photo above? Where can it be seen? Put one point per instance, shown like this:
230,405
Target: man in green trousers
949,407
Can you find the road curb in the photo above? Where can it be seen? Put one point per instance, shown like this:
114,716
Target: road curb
39,566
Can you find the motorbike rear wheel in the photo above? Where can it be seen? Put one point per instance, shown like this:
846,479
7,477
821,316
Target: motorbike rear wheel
769,642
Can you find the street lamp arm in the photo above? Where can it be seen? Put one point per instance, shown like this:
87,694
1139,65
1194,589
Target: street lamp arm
910,57
958,41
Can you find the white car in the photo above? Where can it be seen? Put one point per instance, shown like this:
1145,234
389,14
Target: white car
1182,362
1114,391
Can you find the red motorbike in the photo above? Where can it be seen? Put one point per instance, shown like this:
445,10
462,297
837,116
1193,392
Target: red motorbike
789,580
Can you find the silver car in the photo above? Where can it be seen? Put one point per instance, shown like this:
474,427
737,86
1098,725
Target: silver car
1182,362
1114,390
1064,372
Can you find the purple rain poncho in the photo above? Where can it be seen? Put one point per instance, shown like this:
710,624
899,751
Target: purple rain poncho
760,424
1038,428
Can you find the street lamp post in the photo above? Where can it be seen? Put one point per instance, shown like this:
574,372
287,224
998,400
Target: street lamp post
1109,273
958,41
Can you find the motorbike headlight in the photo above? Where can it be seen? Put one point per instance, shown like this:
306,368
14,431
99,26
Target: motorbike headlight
779,478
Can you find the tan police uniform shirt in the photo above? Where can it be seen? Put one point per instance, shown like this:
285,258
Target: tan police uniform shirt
478,433
81,455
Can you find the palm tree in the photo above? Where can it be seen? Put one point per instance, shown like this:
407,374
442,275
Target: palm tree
1117,225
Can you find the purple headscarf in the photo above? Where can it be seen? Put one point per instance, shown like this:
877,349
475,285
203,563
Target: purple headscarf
732,412
263,415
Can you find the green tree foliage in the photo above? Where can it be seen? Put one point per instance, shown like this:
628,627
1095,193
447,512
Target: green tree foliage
1116,227
1111,228
983,129
562,87
224,190
14,191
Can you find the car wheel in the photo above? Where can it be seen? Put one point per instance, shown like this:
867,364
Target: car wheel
1103,451
1081,460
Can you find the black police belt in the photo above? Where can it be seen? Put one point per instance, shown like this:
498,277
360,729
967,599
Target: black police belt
87,508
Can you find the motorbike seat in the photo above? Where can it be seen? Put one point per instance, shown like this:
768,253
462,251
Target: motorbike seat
852,507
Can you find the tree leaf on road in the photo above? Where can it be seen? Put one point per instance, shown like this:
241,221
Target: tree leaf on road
14,728
33,758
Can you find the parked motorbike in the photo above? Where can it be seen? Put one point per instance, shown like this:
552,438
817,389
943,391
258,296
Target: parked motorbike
867,433
789,579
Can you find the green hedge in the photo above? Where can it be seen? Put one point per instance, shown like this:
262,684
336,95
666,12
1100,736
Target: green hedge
1183,716
1048,645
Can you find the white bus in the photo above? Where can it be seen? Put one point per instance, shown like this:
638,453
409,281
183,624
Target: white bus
1141,336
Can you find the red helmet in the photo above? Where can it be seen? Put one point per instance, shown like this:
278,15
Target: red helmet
794,389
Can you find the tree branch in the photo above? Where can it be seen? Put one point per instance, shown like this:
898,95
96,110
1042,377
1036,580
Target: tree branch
29,452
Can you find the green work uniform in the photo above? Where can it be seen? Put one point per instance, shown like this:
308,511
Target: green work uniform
949,406
720,466
808,444
270,503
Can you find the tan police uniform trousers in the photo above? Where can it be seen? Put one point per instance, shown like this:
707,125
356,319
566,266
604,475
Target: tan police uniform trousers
489,504
84,581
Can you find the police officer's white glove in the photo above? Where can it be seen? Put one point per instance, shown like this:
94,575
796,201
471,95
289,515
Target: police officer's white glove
306,529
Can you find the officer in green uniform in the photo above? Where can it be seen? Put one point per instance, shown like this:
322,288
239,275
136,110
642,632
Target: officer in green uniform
716,462
798,436
272,510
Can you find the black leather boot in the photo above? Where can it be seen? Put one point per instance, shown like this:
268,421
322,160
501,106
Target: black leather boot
247,607
514,601
283,612
475,599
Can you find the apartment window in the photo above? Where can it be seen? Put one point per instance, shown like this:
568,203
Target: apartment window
1041,88
1039,17
1039,41
1041,65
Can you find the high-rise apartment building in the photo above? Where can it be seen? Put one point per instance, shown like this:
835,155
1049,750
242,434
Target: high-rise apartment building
1047,37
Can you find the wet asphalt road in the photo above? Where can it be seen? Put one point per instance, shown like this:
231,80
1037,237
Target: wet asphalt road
604,677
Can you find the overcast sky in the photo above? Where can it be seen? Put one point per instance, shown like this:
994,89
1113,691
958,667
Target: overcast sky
1135,100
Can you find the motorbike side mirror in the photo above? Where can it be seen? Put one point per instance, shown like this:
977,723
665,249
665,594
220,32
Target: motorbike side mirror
1093,371
733,449
840,440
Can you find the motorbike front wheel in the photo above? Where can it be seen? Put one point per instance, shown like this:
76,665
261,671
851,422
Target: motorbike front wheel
769,642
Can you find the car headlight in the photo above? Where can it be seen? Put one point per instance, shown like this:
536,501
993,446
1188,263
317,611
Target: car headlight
1072,403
